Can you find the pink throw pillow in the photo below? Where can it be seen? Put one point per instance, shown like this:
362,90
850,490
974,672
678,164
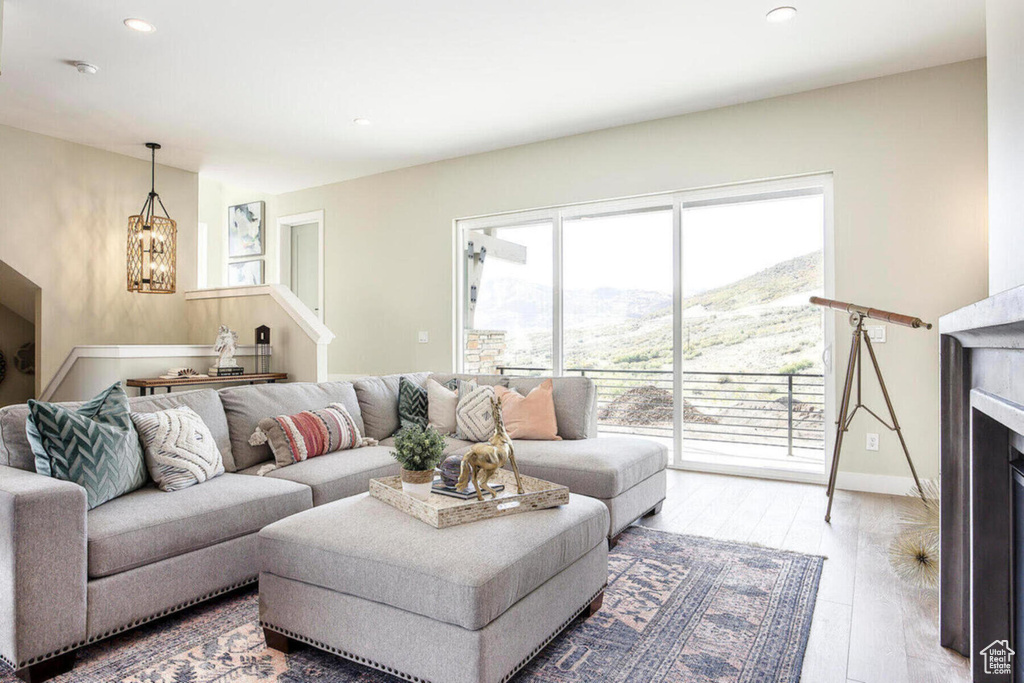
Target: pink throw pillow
532,416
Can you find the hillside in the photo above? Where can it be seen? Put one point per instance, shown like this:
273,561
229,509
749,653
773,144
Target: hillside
761,323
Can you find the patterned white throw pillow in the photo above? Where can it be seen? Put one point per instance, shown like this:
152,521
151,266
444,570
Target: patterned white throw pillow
180,450
473,415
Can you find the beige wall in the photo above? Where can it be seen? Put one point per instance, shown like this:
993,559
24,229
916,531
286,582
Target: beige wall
294,351
214,199
63,224
15,331
908,153
1005,36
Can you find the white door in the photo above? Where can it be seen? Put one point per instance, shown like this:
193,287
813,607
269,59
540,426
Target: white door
305,265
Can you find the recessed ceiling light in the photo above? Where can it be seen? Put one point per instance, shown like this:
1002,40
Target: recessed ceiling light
781,14
86,68
360,121
140,25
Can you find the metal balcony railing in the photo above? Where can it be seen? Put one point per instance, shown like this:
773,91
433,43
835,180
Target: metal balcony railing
745,408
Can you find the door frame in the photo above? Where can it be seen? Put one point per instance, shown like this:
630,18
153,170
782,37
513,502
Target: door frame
677,200
284,251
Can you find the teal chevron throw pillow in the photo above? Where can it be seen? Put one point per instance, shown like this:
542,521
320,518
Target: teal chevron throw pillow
412,403
94,445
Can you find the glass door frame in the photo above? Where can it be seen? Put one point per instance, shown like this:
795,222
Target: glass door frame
676,201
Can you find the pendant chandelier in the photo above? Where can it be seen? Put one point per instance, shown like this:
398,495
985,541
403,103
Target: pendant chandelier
152,242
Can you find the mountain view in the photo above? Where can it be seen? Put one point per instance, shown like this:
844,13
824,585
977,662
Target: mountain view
761,323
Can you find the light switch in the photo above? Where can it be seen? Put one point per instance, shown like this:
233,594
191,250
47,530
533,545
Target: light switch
876,333
424,337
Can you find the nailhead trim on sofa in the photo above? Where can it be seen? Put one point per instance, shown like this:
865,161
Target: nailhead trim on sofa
415,679
120,629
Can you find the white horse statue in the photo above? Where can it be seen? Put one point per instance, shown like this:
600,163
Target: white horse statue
225,345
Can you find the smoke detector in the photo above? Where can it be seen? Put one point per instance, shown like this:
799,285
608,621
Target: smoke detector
86,68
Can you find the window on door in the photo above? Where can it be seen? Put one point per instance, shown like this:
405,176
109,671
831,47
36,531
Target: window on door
689,311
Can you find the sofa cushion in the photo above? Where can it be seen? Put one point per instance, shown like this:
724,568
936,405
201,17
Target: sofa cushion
363,547
246,406
575,399
601,468
15,450
442,403
94,445
149,525
309,434
474,415
341,474
180,451
412,403
575,403
531,416
206,403
378,402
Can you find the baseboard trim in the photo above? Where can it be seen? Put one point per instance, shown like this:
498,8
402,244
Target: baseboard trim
874,483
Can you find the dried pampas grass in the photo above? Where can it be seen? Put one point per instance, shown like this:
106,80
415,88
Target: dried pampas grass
914,553
914,556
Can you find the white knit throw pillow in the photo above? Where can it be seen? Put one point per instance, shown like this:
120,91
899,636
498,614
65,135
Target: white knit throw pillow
180,450
473,415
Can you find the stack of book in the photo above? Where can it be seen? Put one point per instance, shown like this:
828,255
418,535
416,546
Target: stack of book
227,371
470,492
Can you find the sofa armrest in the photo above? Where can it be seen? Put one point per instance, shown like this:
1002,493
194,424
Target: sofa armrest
43,571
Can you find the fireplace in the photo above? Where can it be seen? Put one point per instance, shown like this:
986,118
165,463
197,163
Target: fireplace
1018,564
982,481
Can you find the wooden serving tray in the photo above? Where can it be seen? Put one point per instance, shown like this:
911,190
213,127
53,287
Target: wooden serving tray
441,512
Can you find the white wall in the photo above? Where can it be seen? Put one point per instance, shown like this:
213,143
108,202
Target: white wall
64,212
214,199
908,153
1005,34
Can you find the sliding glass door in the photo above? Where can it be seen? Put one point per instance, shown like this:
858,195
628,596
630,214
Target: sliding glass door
617,314
509,299
688,310
753,369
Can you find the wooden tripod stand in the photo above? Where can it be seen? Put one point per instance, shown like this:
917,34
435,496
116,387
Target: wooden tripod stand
854,367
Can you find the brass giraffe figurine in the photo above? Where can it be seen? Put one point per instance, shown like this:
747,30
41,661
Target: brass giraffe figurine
483,459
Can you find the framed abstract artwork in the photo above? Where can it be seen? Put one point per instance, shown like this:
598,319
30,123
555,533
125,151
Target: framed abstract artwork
242,273
245,229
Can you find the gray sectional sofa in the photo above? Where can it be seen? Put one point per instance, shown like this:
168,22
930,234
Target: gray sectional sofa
71,576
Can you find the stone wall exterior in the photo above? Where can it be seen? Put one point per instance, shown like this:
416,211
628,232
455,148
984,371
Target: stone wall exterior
485,351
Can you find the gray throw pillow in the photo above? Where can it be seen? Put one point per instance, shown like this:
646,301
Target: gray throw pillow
94,445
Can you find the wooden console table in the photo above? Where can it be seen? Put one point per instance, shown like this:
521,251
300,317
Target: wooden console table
151,384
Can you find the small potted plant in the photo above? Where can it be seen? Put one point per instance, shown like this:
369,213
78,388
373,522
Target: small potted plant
418,450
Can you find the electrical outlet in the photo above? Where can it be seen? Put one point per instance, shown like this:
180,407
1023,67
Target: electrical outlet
876,333
872,444
424,337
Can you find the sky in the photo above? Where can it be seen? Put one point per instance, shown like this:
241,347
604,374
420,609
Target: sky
721,244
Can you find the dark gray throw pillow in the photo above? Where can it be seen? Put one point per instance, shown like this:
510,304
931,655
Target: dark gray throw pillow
94,445
412,403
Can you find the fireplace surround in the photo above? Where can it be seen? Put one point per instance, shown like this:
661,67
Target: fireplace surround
982,417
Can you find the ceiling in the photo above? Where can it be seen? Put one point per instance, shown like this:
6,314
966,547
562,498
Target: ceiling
262,93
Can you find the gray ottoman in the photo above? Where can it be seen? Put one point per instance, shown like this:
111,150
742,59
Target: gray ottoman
468,604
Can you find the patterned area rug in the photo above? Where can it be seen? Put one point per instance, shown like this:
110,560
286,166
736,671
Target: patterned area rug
678,608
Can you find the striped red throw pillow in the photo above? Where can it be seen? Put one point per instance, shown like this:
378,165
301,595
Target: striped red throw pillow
294,438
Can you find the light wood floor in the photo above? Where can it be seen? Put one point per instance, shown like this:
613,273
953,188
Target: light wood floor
869,626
